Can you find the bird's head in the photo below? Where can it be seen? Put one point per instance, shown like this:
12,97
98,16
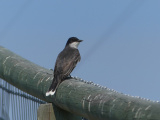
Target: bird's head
73,42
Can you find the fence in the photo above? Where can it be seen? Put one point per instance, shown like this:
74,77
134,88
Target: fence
16,104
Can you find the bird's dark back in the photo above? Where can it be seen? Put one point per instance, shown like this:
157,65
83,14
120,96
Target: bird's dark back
66,61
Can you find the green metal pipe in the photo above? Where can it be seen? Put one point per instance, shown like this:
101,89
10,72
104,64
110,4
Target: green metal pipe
73,95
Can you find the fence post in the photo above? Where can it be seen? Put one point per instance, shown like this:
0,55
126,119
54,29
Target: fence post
51,112
45,112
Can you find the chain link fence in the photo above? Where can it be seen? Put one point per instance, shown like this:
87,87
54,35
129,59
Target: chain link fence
16,104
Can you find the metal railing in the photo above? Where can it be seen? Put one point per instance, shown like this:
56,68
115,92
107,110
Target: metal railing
74,98
16,104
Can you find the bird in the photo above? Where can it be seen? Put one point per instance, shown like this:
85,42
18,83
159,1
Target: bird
65,63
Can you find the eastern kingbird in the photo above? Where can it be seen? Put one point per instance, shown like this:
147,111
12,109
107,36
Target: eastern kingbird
65,63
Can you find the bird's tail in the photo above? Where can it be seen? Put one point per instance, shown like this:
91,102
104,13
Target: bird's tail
55,83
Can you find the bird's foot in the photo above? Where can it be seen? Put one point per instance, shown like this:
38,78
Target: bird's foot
68,77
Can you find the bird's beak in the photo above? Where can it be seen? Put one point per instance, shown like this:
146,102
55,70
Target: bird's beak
80,40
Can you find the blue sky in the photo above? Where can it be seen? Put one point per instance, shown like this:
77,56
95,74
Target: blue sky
121,39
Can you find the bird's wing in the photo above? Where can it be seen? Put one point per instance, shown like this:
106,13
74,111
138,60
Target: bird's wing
65,65
71,63
68,68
